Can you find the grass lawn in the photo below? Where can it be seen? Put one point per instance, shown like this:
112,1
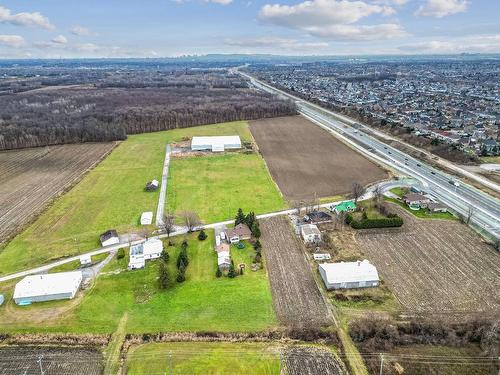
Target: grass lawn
422,213
399,191
202,303
216,186
490,159
110,196
204,358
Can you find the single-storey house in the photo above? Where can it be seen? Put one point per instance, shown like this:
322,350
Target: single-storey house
223,260
436,207
346,206
317,217
238,233
215,143
149,249
152,185
109,237
146,218
48,287
346,275
310,233
85,260
415,199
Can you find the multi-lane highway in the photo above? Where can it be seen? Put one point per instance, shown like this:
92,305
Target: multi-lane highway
462,198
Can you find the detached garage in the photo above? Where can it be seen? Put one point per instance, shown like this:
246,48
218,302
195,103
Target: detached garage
216,143
347,275
49,287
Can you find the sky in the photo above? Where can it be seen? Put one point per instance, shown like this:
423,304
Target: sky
169,28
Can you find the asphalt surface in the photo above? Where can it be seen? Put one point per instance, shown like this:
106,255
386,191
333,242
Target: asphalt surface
462,198
163,188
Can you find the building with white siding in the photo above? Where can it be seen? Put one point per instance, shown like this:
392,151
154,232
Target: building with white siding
216,143
347,275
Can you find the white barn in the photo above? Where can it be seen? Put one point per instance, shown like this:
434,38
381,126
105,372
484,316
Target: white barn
146,218
216,143
346,275
48,287
150,249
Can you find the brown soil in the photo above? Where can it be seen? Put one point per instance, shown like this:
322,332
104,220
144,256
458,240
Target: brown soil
435,266
300,360
296,297
306,160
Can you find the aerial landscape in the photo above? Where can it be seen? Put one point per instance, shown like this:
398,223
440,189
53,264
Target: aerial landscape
219,187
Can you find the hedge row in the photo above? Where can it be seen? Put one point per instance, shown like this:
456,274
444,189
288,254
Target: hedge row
387,222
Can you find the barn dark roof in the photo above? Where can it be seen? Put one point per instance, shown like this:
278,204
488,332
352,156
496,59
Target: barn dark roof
108,234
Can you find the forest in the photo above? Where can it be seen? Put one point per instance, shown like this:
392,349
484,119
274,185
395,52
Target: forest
95,105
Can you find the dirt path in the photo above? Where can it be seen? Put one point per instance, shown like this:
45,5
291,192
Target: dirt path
113,351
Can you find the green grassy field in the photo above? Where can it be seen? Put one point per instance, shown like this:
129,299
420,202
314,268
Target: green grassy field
110,196
216,186
204,358
202,303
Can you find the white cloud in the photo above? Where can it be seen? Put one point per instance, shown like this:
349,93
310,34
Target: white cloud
80,31
390,2
11,40
441,8
34,19
87,47
60,39
274,42
359,32
470,44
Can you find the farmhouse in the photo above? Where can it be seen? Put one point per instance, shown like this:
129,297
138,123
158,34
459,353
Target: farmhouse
152,185
48,287
345,275
150,249
146,218
215,143
317,217
346,206
415,199
109,237
238,233
310,233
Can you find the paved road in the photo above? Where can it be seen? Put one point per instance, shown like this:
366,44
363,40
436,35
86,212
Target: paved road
461,198
163,188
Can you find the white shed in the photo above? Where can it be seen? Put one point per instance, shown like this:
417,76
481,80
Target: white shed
85,260
215,143
48,287
146,218
346,275
223,259
310,233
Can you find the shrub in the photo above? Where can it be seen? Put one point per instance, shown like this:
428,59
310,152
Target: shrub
218,273
181,275
202,236
377,223
164,256
120,254
232,272
257,246
348,219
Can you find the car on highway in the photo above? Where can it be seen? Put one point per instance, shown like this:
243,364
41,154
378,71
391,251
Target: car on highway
419,165
432,172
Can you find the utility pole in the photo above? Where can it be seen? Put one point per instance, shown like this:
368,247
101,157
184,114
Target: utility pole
40,357
381,364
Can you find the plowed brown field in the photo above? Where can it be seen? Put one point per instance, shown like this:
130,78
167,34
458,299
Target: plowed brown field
30,178
311,361
306,160
436,266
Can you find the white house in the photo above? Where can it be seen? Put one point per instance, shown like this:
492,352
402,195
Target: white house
85,260
345,275
110,237
146,218
139,253
223,260
310,233
48,287
215,143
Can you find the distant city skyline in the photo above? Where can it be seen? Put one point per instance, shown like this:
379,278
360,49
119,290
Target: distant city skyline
168,28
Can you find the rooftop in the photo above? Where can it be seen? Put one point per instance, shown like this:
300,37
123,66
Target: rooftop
349,271
47,284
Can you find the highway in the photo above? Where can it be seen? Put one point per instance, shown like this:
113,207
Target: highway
460,197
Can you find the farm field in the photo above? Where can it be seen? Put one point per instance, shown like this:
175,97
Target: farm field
215,186
15,360
110,196
202,303
435,266
307,161
308,360
31,178
296,297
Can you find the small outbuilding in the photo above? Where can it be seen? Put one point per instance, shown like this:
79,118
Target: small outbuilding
310,233
85,260
110,237
146,218
347,275
437,207
215,143
48,287
152,185
223,260
238,233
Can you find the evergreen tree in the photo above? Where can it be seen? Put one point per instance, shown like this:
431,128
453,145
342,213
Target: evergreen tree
218,273
163,275
183,258
250,219
257,246
240,217
164,256
181,275
255,229
232,272
202,236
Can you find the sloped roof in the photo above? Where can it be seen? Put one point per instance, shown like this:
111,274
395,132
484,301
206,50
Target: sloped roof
345,272
240,230
345,206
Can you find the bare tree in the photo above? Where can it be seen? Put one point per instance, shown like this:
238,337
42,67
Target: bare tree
297,206
341,219
470,214
378,194
168,223
357,191
191,220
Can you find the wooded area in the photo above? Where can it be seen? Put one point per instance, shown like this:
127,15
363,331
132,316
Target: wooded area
121,103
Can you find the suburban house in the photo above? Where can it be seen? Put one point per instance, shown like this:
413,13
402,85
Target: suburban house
109,237
238,233
152,185
436,207
346,206
317,217
415,199
149,249
346,275
310,233
85,260
215,143
146,218
47,287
